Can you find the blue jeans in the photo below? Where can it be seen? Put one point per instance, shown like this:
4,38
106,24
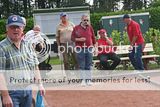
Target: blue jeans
135,57
21,98
84,58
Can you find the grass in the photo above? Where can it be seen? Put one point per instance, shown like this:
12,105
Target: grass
55,61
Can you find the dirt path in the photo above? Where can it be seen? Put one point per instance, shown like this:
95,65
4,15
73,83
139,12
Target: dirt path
103,98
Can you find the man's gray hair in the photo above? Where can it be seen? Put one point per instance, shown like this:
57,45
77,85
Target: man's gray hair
84,15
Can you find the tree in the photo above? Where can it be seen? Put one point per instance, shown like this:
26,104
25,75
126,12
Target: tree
135,4
73,3
5,7
155,3
105,5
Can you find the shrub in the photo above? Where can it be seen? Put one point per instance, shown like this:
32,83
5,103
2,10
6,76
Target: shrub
153,36
2,37
120,38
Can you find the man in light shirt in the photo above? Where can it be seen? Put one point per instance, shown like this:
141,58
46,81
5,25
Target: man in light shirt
63,37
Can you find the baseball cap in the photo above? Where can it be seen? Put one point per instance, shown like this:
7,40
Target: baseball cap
126,16
63,14
15,20
102,31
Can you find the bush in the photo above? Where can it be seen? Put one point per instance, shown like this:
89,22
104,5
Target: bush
116,37
119,38
154,19
30,24
2,26
1,37
153,36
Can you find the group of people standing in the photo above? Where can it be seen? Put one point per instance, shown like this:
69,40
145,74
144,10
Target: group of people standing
15,53
83,38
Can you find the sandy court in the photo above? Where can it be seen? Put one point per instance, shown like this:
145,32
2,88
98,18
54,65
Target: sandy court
86,97
103,98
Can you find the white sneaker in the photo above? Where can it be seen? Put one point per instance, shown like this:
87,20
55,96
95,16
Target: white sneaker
83,83
89,83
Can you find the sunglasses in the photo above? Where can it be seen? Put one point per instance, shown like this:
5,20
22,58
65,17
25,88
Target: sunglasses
86,20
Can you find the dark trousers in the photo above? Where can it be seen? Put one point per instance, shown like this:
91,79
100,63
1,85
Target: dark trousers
135,57
109,56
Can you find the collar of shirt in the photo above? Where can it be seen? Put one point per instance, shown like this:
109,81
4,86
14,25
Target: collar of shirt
11,42
84,27
130,23
62,24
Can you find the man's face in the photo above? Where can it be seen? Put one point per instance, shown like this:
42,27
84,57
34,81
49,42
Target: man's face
85,21
64,18
15,33
103,34
36,30
126,20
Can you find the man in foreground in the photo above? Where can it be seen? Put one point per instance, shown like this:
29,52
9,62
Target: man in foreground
17,55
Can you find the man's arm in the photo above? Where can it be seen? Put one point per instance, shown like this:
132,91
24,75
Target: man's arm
58,38
136,30
7,101
134,40
38,78
109,41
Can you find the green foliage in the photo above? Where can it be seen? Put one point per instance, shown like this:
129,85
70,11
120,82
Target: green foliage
55,61
116,37
125,38
155,3
2,37
154,19
153,36
30,24
2,26
119,39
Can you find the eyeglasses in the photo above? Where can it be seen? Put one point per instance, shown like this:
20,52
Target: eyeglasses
15,27
86,20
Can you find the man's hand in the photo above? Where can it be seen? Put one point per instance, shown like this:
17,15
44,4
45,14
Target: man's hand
42,90
130,48
82,39
7,101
